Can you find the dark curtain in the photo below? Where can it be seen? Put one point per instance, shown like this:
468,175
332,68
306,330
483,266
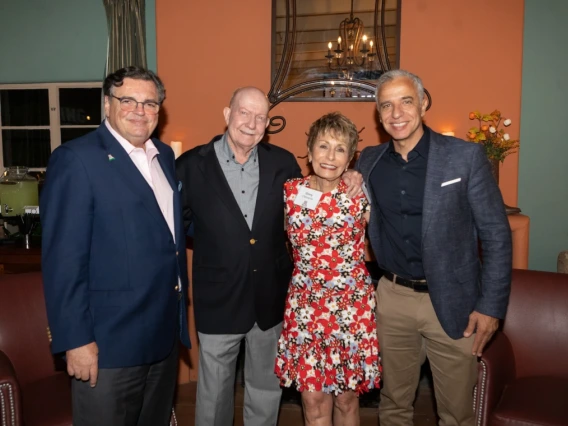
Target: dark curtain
126,34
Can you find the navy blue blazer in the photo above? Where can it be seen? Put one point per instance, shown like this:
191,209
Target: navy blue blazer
455,218
109,261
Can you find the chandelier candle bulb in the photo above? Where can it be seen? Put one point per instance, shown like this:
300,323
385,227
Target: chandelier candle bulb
176,147
371,44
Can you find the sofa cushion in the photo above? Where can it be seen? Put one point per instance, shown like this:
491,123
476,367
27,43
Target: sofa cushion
532,401
51,400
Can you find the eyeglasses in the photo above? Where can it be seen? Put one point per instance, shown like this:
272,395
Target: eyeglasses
129,104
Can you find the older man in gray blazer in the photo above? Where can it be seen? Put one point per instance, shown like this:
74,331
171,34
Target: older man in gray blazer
433,201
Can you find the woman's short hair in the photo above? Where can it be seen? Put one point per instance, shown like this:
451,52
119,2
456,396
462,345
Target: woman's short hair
338,126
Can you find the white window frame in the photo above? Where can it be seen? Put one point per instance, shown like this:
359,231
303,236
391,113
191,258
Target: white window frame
55,125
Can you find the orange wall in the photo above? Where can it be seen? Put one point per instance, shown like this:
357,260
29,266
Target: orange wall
468,54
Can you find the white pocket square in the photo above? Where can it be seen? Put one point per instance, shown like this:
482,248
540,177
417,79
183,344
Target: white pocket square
450,182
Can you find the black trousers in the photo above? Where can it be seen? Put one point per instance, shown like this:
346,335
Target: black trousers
131,396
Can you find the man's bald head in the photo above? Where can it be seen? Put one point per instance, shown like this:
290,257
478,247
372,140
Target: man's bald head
251,91
247,119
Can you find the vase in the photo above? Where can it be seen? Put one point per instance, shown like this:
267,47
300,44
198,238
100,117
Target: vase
495,172
495,169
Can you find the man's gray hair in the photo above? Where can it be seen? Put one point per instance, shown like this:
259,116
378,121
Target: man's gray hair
391,75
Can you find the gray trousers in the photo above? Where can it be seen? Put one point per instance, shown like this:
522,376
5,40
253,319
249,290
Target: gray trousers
216,382
131,396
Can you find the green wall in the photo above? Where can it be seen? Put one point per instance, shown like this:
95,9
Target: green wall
43,41
543,164
151,35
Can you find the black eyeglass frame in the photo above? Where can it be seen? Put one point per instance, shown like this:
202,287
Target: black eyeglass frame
144,104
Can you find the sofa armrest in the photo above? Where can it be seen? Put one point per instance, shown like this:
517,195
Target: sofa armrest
496,370
10,399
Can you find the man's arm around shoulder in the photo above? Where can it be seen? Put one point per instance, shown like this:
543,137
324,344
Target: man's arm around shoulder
184,165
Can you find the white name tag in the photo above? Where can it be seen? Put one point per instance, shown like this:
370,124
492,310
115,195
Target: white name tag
307,197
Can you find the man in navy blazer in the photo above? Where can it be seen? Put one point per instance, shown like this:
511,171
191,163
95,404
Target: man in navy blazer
434,200
113,260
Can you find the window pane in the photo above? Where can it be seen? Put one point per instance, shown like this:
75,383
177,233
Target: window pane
30,148
69,134
24,107
80,106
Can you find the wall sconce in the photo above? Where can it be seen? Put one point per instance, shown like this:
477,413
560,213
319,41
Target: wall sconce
176,146
448,133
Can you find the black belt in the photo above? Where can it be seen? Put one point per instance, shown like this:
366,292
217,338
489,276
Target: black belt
420,286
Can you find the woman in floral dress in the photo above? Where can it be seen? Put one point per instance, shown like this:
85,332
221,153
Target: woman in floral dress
328,348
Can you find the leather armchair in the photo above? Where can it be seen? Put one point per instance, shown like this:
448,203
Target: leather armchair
34,386
523,373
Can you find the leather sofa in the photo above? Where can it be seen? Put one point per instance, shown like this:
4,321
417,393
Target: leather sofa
523,373
35,389
34,386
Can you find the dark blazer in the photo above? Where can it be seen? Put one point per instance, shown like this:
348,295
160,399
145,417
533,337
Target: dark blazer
110,264
454,218
240,276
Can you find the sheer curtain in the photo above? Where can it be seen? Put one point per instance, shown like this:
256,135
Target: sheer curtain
126,34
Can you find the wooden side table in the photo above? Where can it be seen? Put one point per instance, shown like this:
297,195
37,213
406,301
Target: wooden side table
520,225
16,259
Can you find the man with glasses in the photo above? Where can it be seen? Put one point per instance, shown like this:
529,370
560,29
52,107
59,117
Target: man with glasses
114,263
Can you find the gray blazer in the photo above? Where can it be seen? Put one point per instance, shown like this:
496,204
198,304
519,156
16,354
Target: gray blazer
455,217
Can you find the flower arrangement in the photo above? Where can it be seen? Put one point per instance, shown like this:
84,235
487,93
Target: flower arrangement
497,143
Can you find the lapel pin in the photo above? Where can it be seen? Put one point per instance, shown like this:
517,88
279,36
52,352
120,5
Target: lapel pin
110,158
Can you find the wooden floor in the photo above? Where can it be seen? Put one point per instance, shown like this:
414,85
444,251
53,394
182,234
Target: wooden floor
291,412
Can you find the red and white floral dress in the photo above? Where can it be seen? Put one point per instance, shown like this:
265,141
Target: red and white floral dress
329,340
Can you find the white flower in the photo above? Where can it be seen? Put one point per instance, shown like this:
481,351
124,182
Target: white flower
311,361
492,129
507,122
506,136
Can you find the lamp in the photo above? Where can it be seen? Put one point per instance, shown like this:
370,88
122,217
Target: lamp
353,42
176,147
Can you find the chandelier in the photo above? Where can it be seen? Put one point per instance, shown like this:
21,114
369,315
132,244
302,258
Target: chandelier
353,53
